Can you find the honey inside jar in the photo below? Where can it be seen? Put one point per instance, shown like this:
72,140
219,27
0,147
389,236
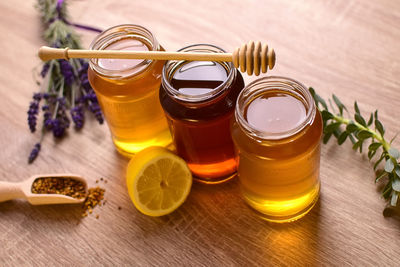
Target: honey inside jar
277,135
127,90
275,112
198,98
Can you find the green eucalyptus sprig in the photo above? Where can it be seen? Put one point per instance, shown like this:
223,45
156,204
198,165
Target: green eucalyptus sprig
361,131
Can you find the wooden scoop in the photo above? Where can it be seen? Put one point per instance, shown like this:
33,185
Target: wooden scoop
251,57
23,189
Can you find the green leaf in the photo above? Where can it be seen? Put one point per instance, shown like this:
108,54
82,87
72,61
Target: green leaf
371,119
380,176
353,141
394,153
322,101
326,137
351,127
317,99
396,184
393,200
397,171
379,127
356,108
342,137
337,132
394,137
360,119
332,127
314,95
374,146
389,166
376,114
339,104
387,190
371,154
358,144
326,115
378,161
364,134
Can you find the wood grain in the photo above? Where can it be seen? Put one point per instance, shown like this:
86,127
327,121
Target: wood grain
349,48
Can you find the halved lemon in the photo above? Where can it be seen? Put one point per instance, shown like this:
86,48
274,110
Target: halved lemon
158,181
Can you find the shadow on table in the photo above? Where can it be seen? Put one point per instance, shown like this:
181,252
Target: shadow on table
215,218
67,214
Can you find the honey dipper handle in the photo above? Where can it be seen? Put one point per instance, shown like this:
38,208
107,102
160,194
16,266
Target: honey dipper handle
48,53
251,57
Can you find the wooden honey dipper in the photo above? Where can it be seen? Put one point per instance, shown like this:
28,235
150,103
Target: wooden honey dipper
250,57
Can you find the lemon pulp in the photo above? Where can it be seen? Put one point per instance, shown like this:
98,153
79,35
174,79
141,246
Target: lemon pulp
158,181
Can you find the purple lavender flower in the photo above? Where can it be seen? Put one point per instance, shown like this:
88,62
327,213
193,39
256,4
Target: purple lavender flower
33,111
78,116
45,69
82,61
59,7
37,96
58,128
46,96
85,83
83,77
59,125
90,97
61,122
57,112
61,16
47,121
57,44
66,71
62,102
94,106
95,109
34,153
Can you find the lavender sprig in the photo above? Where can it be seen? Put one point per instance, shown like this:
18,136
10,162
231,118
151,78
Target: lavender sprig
33,111
65,91
34,153
77,116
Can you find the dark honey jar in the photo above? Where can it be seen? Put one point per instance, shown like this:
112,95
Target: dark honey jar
198,98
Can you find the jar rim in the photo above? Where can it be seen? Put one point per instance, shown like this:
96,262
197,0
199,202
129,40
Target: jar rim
266,84
172,65
113,35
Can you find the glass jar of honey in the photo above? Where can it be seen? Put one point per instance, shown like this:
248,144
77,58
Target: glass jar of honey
199,99
127,89
277,133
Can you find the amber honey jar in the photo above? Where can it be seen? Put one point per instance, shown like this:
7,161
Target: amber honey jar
127,89
199,99
277,132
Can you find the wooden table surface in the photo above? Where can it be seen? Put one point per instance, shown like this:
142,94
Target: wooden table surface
349,48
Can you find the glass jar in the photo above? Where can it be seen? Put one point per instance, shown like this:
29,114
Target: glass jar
277,133
127,89
199,98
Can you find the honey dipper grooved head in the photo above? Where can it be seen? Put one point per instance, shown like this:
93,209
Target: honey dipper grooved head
254,57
